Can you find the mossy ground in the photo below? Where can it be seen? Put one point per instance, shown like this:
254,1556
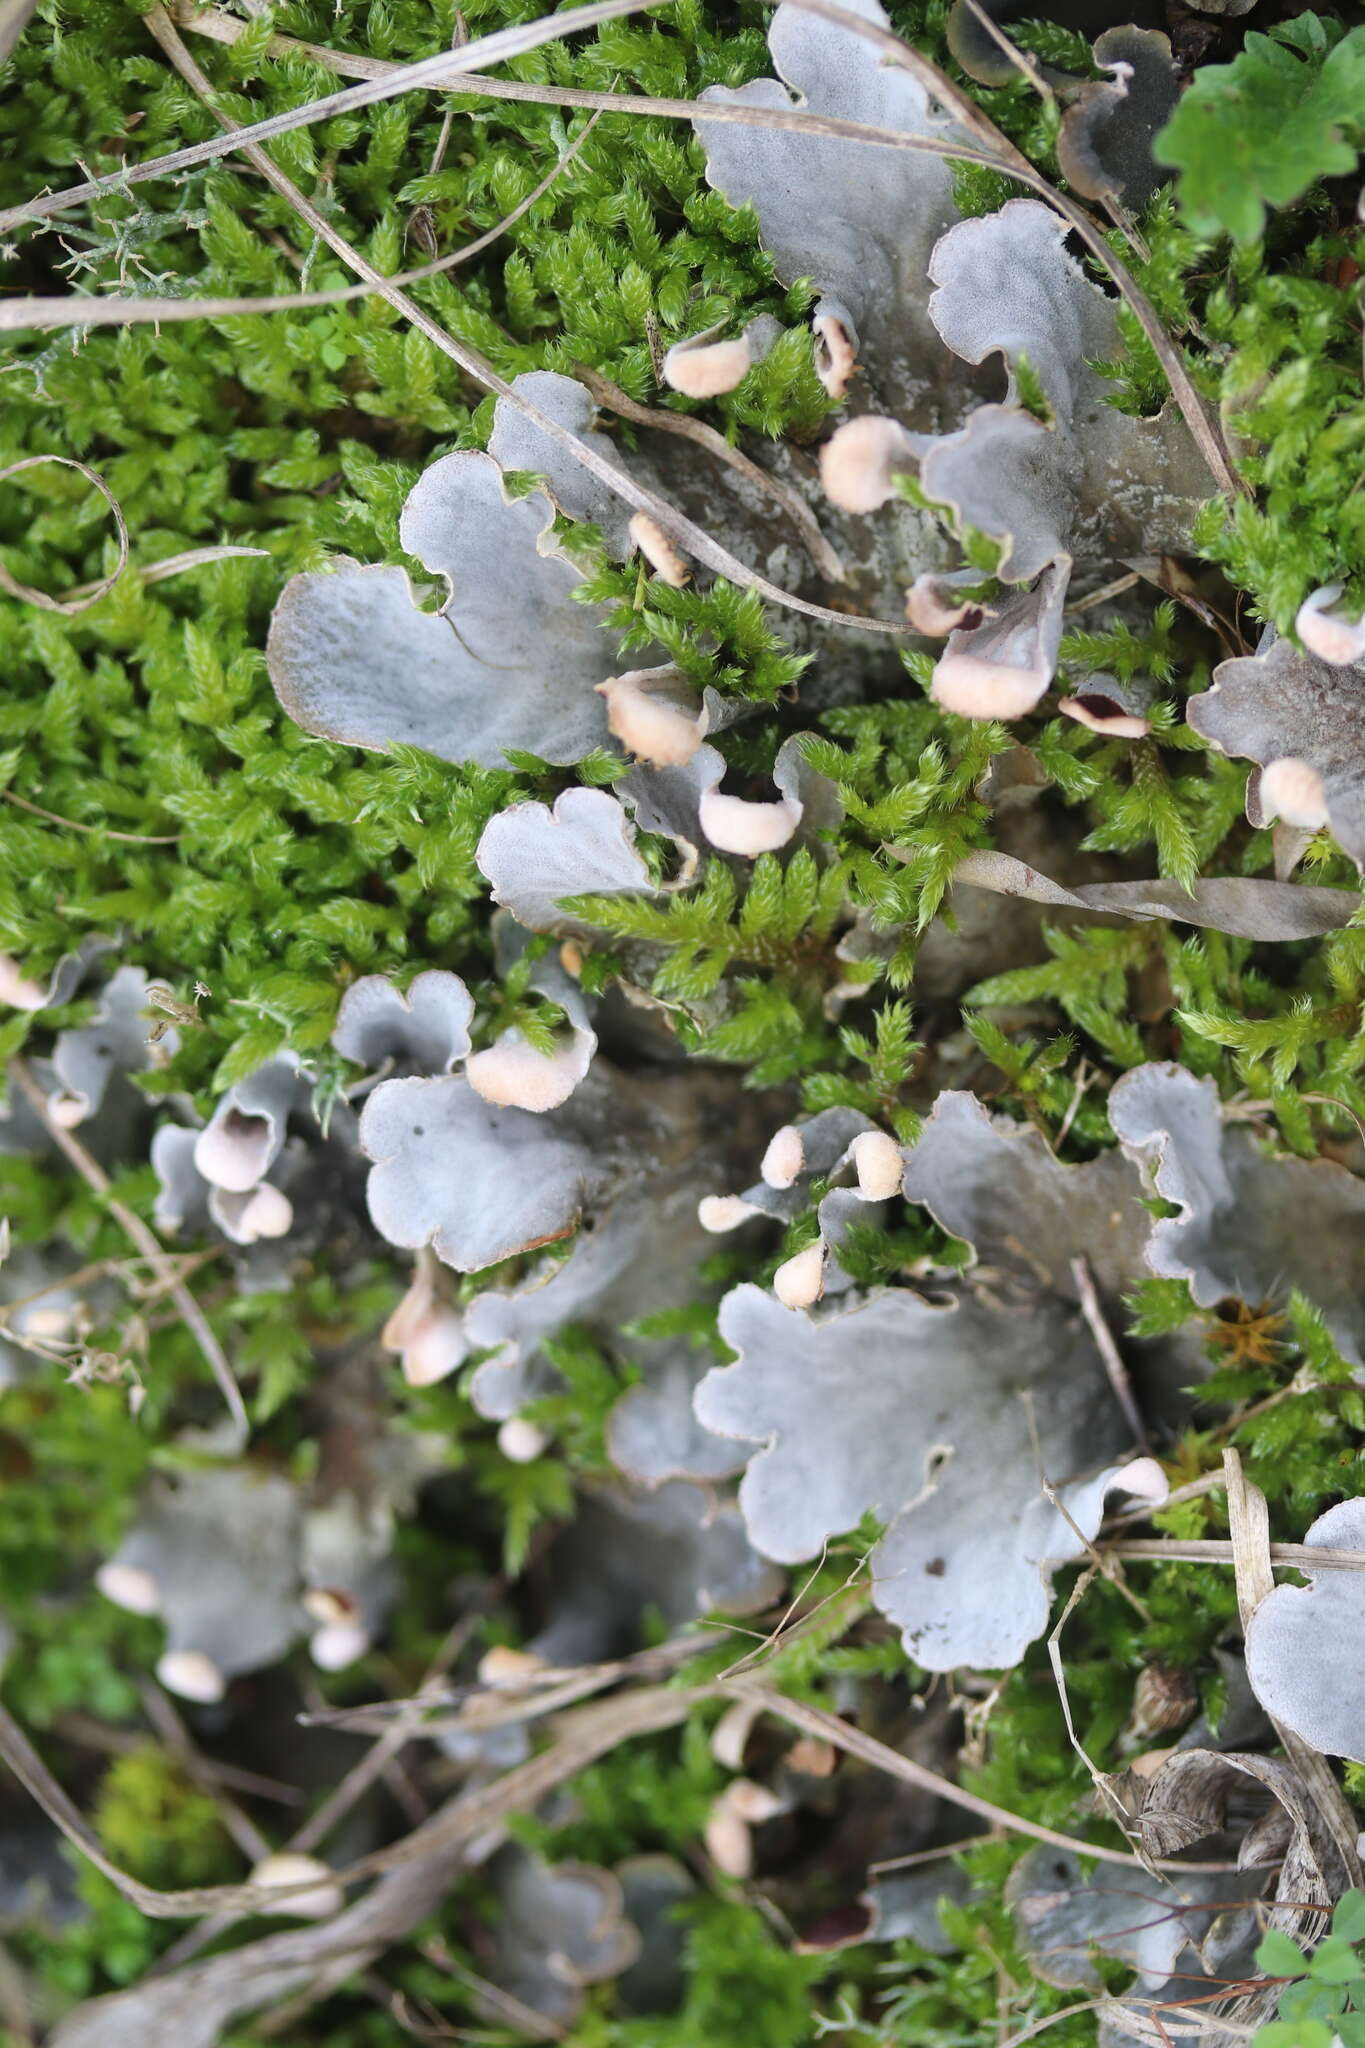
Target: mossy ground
193,824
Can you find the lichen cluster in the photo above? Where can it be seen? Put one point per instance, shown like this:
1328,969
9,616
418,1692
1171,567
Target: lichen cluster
681,972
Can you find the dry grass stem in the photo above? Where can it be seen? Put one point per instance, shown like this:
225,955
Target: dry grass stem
829,1728
1220,1550
75,825
72,311
1249,1525
1109,1352
401,78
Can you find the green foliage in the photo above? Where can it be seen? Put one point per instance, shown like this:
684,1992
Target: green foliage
273,867
577,1416
1290,385
720,638
743,1983
1324,1989
1258,132
155,1822
109,1944
888,1057
772,1021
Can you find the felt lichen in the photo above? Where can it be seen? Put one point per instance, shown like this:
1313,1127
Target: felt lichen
716,1182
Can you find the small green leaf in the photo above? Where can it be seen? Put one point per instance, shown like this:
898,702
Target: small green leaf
1278,1956
1335,1962
1294,2034
1260,131
1307,2000
1348,1916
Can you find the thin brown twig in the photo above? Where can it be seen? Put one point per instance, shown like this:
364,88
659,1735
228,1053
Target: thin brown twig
353,1786
1068,2012
71,605
548,1692
1239,1417
307,1837
829,1728
1111,1570
1109,1351
442,69
1193,1489
855,1599
176,565
915,1857
173,1732
1108,1567
1106,592
535,2025
223,27
101,1269
75,825
1218,1550
91,1733
705,436
459,35
210,1994
356,1782
476,86
1020,59
587,1735
146,1241
1098,1778
1083,1079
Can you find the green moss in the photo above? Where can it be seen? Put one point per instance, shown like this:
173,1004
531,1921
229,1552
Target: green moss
217,844
154,1821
